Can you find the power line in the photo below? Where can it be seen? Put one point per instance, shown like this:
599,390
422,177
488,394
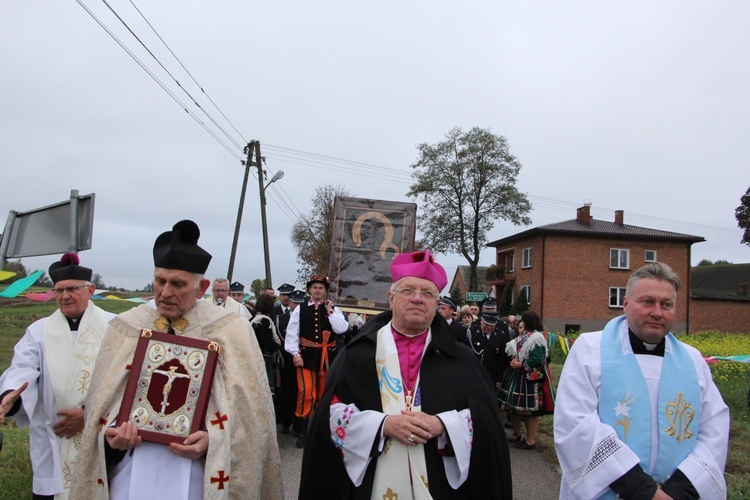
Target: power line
188,72
342,168
237,144
333,160
604,212
334,163
156,79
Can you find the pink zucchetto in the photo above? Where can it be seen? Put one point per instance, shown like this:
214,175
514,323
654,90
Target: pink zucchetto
419,265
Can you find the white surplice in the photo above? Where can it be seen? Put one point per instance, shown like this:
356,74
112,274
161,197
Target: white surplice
591,455
32,363
234,306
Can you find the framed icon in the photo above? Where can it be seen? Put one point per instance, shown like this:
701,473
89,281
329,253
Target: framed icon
168,388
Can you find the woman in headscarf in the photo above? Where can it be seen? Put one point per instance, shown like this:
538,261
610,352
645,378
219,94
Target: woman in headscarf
526,391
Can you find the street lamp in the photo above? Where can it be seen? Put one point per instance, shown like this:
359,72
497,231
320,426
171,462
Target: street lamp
278,175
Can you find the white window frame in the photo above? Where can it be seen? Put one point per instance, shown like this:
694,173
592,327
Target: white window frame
620,297
526,258
645,256
511,262
528,293
620,252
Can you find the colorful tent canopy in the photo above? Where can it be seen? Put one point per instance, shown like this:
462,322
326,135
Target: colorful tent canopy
4,275
20,286
745,358
41,297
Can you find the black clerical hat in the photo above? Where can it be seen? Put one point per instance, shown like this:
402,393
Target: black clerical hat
68,269
178,249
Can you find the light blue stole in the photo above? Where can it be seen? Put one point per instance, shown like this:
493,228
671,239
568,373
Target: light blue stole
624,400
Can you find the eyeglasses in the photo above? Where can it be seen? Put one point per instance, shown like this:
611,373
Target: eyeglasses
409,293
69,289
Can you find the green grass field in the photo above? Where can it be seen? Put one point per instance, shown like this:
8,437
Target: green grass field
732,379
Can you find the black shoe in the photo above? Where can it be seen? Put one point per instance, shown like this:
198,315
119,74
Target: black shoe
523,445
516,439
301,441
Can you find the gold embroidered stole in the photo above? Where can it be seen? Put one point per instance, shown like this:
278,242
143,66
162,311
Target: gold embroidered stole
401,471
70,366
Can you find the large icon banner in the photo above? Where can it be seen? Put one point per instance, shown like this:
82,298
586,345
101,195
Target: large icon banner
367,235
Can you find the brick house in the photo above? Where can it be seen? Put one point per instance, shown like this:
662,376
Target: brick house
719,299
575,271
461,280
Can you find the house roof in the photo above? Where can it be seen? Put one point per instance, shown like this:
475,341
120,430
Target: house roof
719,282
464,271
598,229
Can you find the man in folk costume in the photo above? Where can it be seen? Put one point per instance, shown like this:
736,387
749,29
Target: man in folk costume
408,412
225,295
638,414
49,378
310,339
235,455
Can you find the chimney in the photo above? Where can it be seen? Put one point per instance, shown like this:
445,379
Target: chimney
584,215
742,289
619,216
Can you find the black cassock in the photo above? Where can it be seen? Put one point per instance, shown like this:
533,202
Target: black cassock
451,379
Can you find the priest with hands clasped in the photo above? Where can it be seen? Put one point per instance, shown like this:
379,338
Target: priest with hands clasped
407,412
638,414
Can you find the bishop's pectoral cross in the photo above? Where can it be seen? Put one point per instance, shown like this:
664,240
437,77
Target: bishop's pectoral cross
408,397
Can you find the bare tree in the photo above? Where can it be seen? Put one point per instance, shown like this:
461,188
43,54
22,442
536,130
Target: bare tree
311,235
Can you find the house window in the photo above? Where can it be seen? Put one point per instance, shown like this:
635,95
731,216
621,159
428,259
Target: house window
526,258
616,296
650,256
527,289
511,262
619,258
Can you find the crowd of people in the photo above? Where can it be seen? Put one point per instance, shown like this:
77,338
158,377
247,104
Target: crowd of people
410,403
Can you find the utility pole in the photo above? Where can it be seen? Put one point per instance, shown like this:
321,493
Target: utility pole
249,150
266,255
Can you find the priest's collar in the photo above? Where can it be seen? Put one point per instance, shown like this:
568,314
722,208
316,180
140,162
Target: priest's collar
406,334
73,323
641,347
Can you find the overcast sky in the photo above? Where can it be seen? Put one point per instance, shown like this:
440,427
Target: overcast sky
641,106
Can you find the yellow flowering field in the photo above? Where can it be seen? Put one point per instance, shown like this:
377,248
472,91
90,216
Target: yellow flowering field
731,377
713,343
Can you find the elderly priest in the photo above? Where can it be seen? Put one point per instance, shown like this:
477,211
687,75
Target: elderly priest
408,412
235,454
49,378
